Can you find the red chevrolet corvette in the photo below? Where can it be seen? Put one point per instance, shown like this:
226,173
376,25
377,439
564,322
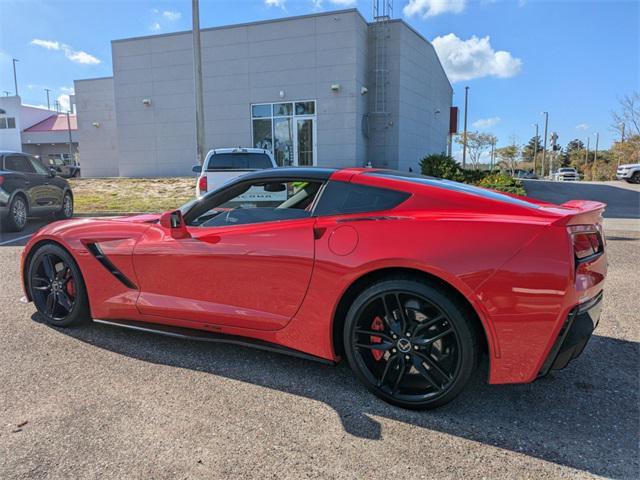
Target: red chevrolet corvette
411,278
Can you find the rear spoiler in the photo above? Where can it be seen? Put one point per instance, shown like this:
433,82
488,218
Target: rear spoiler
585,212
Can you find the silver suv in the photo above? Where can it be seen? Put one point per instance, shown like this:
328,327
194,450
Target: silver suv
629,172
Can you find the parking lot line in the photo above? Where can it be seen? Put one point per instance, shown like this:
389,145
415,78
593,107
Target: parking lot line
17,239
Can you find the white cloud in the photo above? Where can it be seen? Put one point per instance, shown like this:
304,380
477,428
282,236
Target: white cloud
67,90
484,123
155,26
275,3
582,126
474,58
77,56
48,44
344,3
172,15
63,101
431,8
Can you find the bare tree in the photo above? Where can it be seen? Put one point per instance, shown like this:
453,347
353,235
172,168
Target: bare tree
477,144
628,117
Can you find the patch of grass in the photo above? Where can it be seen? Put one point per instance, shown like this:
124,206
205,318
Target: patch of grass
125,195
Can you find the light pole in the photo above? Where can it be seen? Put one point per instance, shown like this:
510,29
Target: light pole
464,144
71,162
595,157
197,73
48,105
586,155
15,77
535,149
544,153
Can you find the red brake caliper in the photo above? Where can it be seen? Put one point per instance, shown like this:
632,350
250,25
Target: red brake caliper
71,289
377,325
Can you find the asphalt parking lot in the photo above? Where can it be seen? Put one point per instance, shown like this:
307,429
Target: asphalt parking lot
100,402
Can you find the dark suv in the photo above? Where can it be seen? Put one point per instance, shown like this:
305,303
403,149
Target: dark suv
27,188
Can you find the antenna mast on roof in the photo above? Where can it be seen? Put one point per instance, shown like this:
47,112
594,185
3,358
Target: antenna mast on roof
382,13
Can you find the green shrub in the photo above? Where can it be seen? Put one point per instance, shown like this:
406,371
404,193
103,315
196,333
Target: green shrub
503,183
444,166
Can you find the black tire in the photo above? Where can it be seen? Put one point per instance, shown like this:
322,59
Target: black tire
57,288
66,212
635,178
431,367
16,218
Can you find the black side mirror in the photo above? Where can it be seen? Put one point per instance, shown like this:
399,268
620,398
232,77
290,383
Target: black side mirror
52,172
196,168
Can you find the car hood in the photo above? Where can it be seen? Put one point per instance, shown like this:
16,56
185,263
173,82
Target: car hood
630,165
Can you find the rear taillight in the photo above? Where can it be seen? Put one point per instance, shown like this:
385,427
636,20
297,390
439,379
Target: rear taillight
202,184
1,180
587,240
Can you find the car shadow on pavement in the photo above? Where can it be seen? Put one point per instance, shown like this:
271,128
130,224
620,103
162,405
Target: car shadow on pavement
585,417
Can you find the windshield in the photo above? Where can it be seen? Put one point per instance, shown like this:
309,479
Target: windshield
238,161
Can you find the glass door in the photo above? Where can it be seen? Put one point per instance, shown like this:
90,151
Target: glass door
305,142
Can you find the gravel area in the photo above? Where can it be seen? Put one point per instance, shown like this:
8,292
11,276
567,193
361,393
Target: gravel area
100,402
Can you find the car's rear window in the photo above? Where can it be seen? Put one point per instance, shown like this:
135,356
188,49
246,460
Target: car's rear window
239,161
450,185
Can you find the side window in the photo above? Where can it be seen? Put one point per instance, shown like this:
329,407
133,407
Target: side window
18,163
342,197
255,202
37,166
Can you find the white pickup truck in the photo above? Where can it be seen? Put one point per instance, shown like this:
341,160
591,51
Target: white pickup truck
224,164
629,172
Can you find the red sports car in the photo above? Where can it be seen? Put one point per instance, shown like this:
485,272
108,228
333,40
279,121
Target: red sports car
411,278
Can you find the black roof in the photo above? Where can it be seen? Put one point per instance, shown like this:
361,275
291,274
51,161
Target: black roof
290,173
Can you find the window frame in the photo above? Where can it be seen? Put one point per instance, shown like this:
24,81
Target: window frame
188,209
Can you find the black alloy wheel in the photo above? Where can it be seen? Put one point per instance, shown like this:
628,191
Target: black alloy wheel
16,218
56,286
411,343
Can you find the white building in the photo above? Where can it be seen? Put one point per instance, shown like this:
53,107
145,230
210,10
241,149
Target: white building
326,89
35,130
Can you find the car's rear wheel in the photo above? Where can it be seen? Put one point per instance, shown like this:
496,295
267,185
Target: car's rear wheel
66,211
411,343
56,286
16,218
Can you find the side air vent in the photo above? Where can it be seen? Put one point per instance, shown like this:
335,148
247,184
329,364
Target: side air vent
97,252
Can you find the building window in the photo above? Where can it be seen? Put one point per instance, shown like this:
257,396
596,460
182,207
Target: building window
287,130
7,122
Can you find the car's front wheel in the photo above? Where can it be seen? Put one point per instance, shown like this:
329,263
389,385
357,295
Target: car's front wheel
411,343
56,286
635,178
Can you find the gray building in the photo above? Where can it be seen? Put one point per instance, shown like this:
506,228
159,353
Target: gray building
327,89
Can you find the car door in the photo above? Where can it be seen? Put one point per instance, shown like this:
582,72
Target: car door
53,187
35,185
242,267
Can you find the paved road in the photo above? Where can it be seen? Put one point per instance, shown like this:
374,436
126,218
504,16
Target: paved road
21,238
622,199
101,402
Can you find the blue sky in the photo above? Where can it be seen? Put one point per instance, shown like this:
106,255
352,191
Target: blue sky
571,58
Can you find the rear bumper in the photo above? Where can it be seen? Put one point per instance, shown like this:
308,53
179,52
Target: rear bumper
574,335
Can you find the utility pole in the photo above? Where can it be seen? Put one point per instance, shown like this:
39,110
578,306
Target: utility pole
586,155
6,93
71,162
464,144
544,153
535,150
493,147
48,105
622,132
197,71
15,77
595,158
